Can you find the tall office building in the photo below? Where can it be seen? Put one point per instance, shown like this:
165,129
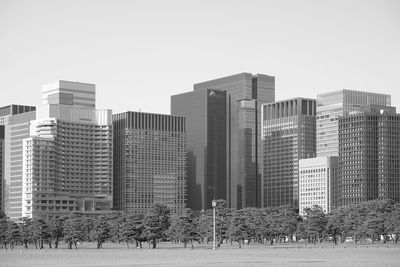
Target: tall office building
15,120
149,161
316,176
68,160
331,106
224,139
288,132
1,166
369,156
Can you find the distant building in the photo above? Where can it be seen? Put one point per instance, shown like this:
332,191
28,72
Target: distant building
15,121
223,122
369,156
149,161
1,166
68,160
316,176
331,106
288,133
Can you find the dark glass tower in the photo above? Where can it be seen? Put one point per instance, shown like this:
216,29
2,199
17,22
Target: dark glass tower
232,103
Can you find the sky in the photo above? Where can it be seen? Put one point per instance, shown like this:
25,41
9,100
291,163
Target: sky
139,53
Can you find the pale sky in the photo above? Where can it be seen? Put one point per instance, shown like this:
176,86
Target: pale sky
139,53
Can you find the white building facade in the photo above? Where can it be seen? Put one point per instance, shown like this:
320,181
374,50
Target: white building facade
68,158
316,176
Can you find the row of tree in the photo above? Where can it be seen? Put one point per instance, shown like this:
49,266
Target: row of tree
368,221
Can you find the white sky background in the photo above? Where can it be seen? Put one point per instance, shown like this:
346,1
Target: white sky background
139,53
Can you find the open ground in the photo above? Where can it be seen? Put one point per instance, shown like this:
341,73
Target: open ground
176,255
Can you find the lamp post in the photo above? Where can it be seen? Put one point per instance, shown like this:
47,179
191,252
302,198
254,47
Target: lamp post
214,204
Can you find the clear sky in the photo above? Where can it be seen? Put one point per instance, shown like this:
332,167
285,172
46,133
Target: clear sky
139,53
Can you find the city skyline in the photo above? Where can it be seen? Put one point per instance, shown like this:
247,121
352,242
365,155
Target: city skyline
140,48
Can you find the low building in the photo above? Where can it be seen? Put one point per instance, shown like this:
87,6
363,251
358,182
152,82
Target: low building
316,176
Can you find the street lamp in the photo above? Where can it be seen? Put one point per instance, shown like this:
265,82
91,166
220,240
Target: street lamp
214,204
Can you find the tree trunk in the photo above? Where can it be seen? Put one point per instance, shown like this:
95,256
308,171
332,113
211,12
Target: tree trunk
240,243
76,248
191,242
184,244
154,243
56,244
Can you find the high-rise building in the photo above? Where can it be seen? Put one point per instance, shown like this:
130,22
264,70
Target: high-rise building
149,161
68,160
288,133
331,106
15,120
369,156
1,166
316,176
223,122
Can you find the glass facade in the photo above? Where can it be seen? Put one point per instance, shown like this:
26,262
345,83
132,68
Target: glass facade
331,106
149,162
288,136
243,148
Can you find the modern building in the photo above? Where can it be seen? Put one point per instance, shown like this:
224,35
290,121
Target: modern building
1,166
15,121
223,122
288,133
149,161
331,106
68,158
316,176
369,156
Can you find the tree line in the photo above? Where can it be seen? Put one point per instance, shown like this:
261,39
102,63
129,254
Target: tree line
365,222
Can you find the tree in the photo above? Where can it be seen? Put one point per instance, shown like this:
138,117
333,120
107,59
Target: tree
221,221
156,223
101,231
132,229
204,226
12,235
237,226
74,231
184,229
40,232
393,222
116,220
56,228
334,226
4,231
315,223
25,231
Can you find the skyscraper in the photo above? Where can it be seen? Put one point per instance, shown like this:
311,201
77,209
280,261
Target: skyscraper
1,166
68,160
288,133
369,156
332,105
15,119
224,141
149,161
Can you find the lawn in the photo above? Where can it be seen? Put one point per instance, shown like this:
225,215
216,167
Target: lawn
174,255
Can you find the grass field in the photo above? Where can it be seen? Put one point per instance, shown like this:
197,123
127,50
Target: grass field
176,255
